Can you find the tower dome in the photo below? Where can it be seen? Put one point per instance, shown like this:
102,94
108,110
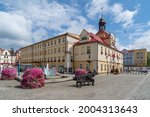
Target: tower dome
102,24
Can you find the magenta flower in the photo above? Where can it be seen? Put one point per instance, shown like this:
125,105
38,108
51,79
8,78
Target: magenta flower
79,72
33,78
8,74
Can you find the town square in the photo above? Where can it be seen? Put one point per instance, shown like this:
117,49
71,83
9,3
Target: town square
52,50
111,87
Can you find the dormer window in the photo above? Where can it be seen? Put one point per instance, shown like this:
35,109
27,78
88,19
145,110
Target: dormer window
84,38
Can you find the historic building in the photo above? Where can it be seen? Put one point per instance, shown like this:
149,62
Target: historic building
140,57
148,59
128,58
17,57
135,58
67,52
97,52
7,57
56,52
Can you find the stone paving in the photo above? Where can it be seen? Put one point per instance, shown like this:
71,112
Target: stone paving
107,87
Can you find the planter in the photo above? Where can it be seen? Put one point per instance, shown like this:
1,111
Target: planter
33,78
8,74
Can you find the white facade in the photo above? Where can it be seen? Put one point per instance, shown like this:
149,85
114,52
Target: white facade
6,59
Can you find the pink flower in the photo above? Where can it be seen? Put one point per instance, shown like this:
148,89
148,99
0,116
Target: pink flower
33,78
8,74
79,72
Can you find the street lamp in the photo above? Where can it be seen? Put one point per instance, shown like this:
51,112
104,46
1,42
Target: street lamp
107,63
89,61
19,58
19,67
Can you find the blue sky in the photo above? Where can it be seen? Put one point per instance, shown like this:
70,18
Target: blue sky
23,22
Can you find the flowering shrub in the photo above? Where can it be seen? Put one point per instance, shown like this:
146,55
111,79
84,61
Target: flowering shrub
79,72
33,78
8,74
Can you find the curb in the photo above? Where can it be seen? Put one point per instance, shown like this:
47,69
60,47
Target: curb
51,80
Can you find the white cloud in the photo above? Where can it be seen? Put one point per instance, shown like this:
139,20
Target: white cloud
39,35
120,15
119,45
123,16
15,30
40,18
142,41
148,23
95,7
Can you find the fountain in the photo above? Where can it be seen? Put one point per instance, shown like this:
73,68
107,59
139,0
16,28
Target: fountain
50,72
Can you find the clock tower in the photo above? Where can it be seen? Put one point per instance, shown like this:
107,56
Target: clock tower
102,24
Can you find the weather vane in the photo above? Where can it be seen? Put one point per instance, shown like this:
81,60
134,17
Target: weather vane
102,10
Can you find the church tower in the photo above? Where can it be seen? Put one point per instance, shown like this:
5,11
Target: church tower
108,38
102,24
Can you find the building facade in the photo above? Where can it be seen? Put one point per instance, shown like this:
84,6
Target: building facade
148,59
97,52
140,57
135,58
7,58
67,52
128,58
56,52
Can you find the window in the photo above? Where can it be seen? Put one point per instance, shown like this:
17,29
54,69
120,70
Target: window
109,52
84,38
54,59
105,51
51,59
51,42
54,50
87,66
63,49
55,42
63,59
51,51
59,41
82,51
101,67
88,49
63,40
59,50
105,67
58,58
101,50
80,66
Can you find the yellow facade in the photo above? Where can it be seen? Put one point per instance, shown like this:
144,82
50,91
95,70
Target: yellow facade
52,52
140,57
94,52
97,60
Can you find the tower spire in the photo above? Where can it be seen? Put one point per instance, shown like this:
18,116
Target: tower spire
102,22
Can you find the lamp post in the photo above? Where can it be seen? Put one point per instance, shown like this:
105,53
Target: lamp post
89,61
19,58
107,63
19,67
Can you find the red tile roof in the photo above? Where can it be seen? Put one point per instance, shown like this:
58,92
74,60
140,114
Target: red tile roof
95,38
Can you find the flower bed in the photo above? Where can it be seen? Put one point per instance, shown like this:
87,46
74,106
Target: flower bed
8,74
33,78
79,72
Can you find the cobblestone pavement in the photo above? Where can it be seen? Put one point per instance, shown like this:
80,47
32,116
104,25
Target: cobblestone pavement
107,87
